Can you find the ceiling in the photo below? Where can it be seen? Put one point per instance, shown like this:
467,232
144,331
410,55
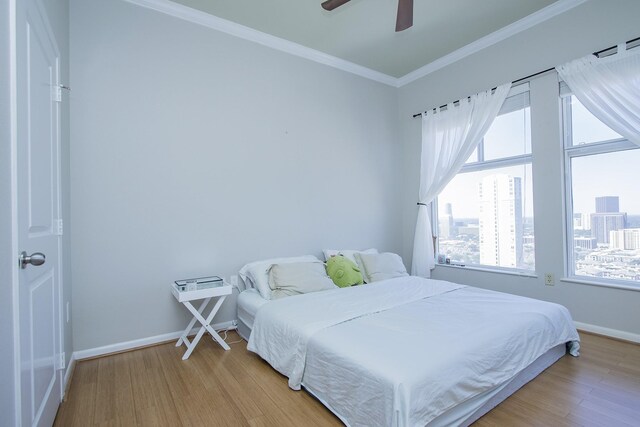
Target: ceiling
362,31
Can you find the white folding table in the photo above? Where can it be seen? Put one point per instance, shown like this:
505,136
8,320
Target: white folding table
185,297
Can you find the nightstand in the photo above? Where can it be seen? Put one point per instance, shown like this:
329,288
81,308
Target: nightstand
186,291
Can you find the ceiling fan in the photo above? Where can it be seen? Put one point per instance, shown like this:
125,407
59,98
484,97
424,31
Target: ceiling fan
404,18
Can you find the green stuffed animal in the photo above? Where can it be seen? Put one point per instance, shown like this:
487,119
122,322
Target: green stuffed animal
343,271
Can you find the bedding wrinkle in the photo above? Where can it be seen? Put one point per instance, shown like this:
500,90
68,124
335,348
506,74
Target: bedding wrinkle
406,350
295,319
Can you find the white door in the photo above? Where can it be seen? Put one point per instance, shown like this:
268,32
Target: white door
38,202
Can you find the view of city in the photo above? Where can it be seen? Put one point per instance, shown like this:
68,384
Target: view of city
462,247
485,215
606,241
606,206
499,236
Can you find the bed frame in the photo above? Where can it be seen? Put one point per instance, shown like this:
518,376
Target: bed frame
243,330
503,392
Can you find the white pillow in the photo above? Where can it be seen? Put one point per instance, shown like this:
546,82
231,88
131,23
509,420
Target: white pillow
256,273
383,266
349,254
297,278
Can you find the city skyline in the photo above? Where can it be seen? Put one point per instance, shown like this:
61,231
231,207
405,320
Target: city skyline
605,244
581,220
467,202
499,236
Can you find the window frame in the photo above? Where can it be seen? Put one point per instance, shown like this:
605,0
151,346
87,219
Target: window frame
571,152
480,165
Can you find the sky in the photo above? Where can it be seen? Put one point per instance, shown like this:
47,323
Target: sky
613,174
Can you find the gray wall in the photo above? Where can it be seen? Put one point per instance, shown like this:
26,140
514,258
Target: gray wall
7,365
194,152
595,25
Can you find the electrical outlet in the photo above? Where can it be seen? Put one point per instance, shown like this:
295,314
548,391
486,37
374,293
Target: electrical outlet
549,280
233,280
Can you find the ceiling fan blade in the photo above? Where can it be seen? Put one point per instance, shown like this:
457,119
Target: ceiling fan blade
404,19
332,4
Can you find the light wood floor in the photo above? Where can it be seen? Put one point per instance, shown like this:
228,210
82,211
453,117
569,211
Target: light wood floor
154,387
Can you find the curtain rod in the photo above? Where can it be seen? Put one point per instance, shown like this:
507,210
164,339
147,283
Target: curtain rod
598,53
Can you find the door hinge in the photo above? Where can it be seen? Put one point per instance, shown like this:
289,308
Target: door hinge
56,94
63,361
58,227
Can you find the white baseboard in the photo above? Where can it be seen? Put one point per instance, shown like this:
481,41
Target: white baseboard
613,333
142,342
67,375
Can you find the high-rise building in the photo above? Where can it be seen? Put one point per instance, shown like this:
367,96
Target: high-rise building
628,238
581,221
448,209
445,223
500,221
577,221
444,226
602,224
607,218
607,204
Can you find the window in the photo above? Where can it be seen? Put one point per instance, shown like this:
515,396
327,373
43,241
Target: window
603,203
485,214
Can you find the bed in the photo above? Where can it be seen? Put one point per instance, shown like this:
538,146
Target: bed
407,351
249,301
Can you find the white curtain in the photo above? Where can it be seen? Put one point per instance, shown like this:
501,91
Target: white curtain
609,88
448,139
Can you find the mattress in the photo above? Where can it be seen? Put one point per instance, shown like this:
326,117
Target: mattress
407,351
249,302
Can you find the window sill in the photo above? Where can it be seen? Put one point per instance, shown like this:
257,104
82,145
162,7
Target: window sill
519,273
601,283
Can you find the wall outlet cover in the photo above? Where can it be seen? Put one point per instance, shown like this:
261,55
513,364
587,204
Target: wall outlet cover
549,280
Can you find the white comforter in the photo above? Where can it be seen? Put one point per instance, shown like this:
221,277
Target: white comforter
405,350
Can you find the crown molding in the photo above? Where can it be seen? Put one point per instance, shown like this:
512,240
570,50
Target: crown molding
504,33
207,20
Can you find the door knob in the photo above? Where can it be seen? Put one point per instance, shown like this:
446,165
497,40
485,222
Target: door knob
35,258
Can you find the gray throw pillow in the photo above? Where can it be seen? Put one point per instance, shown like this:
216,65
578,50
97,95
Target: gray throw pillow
383,266
298,278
